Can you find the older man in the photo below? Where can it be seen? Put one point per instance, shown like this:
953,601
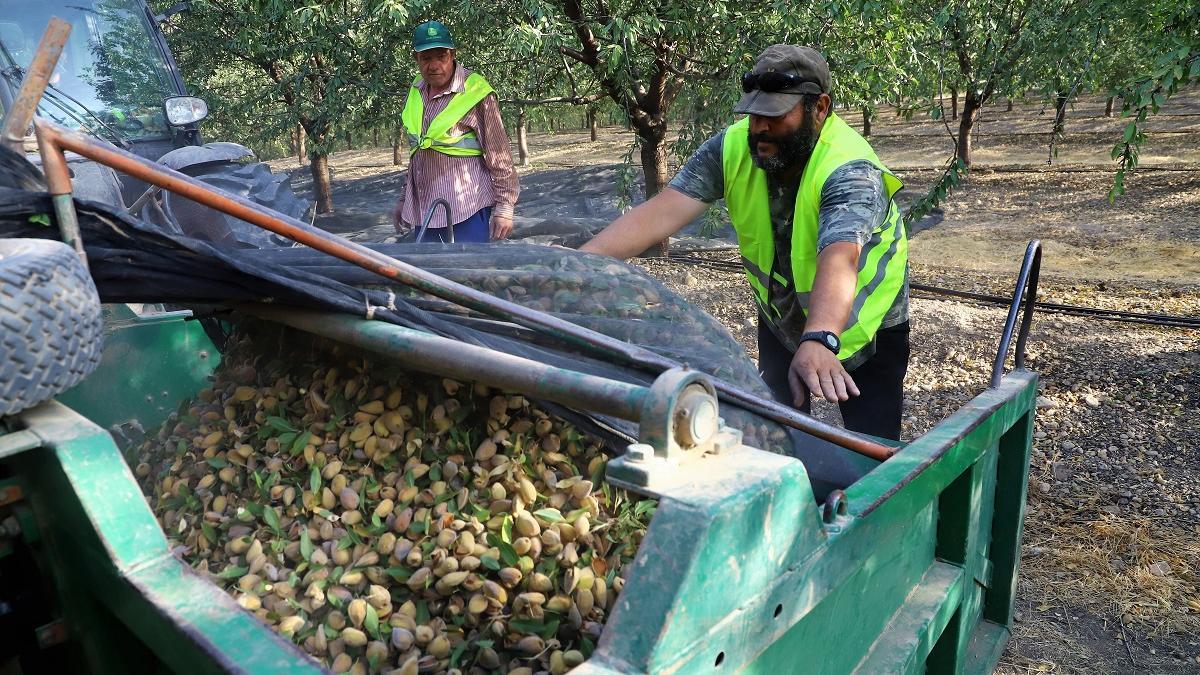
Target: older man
459,148
822,242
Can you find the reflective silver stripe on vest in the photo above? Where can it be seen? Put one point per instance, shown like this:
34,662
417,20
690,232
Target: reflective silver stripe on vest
762,277
757,273
880,267
770,310
465,142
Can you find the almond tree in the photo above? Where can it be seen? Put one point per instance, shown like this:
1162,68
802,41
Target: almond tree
310,62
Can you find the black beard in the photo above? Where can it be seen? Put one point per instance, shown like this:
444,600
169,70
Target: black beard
792,151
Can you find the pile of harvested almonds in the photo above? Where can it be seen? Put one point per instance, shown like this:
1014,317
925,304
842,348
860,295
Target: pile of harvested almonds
386,522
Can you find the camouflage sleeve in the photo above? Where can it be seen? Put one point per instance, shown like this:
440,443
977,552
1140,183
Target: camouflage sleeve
703,176
854,203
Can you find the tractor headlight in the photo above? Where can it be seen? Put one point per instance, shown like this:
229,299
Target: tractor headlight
184,110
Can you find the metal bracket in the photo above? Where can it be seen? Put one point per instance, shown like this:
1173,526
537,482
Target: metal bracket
679,427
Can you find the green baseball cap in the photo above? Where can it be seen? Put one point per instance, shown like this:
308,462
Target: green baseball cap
431,35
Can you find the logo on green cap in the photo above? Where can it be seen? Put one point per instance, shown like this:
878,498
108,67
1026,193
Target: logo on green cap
431,35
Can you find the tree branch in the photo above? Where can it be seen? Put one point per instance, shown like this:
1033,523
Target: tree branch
573,100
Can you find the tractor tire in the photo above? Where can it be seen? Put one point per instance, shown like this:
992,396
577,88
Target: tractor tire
51,333
254,182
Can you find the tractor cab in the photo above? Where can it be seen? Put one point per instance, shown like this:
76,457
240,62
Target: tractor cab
115,80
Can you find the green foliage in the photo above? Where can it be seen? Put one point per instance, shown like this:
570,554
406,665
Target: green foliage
266,66
1176,65
954,173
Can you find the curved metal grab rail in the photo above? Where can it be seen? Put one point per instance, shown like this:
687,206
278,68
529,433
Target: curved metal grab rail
429,218
1027,282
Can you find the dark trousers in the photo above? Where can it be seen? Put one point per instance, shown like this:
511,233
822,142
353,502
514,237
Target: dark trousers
476,229
880,379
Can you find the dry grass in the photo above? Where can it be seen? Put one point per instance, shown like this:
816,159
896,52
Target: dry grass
1107,565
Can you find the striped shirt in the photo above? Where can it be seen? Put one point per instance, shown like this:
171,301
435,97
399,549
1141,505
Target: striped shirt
468,184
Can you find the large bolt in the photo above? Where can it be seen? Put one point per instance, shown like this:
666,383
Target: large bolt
696,420
639,452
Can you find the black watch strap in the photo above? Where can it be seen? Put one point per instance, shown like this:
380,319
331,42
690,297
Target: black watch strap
827,338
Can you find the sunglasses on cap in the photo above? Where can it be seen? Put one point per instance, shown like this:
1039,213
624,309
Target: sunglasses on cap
773,82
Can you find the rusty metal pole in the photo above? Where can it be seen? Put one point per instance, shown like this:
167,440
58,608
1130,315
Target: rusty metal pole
33,86
17,122
59,138
58,180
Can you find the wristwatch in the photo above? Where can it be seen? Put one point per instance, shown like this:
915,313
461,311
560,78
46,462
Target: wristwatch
826,338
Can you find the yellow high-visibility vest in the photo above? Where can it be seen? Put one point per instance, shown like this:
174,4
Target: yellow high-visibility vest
437,137
882,263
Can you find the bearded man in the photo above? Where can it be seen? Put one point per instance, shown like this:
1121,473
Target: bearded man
822,241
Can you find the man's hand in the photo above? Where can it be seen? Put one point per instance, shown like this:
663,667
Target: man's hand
816,368
501,227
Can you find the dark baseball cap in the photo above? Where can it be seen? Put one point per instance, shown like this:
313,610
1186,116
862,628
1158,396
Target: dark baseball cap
431,35
805,64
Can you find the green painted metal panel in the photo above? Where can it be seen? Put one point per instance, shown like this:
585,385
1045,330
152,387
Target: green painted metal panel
835,633
740,572
914,628
1012,482
152,361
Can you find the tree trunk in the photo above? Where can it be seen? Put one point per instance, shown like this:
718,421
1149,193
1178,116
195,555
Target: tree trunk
654,170
301,152
966,124
1010,106
321,186
396,154
654,166
953,103
375,138
349,140
866,112
1060,112
591,114
1108,106
522,138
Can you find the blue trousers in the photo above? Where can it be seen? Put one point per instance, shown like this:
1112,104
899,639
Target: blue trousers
476,229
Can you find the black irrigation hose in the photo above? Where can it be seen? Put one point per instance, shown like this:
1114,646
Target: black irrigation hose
983,169
1075,310
1168,320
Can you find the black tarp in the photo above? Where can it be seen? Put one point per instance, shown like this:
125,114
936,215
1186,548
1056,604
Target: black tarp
134,261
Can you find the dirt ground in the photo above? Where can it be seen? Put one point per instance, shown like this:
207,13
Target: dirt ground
1111,561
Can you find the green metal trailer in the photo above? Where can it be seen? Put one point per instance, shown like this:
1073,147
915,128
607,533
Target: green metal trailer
912,568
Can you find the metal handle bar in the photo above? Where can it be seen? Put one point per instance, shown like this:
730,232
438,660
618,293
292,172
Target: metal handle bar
1027,282
429,217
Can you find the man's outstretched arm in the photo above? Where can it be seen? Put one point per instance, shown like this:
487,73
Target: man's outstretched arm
650,222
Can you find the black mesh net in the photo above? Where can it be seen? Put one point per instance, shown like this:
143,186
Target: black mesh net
133,261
